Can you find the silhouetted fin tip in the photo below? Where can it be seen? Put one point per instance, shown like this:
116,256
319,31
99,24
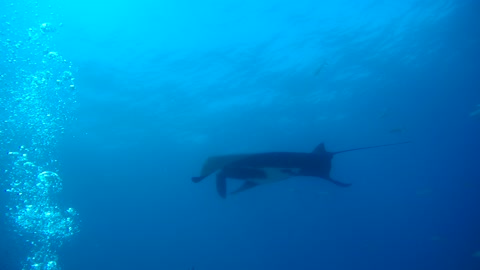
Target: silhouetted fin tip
319,149
197,179
338,183
246,186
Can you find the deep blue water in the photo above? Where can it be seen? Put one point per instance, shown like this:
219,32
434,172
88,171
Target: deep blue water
162,85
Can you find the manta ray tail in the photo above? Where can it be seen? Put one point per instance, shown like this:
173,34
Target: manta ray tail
361,148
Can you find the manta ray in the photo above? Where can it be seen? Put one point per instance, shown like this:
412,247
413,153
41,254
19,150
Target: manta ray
270,167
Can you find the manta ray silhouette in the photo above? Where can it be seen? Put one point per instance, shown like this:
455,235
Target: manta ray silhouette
262,168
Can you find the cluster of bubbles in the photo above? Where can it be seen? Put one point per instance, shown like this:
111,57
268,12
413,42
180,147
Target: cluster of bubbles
38,219
37,96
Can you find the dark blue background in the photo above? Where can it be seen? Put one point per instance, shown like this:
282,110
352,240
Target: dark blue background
157,97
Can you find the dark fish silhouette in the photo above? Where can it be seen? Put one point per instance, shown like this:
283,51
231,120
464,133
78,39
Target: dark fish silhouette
263,168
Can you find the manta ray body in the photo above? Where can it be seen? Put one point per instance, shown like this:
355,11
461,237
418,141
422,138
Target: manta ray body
270,167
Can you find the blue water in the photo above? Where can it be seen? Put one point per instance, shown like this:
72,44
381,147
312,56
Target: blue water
162,85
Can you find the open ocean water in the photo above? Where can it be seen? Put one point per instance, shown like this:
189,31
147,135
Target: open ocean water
109,108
